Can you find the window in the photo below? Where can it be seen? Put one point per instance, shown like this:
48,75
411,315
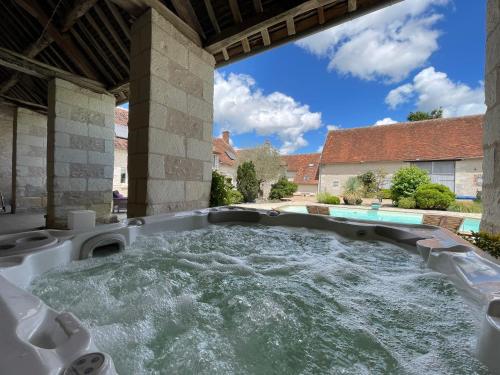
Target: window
215,161
123,176
440,172
335,183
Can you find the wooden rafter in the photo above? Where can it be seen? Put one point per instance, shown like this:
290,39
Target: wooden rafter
23,64
211,15
118,17
80,8
235,10
112,31
290,25
321,15
186,12
351,5
257,4
64,42
246,45
266,39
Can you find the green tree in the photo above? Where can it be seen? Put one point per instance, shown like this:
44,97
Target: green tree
282,189
246,181
406,181
420,115
222,192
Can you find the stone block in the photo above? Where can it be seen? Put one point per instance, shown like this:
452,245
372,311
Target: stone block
68,184
492,51
79,142
100,184
96,118
196,190
156,166
182,169
61,169
162,142
492,15
100,132
163,191
199,150
86,170
96,157
183,79
200,67
199,108
70,155
207,171
70,127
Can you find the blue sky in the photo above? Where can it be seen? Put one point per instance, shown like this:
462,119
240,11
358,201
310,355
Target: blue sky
415,55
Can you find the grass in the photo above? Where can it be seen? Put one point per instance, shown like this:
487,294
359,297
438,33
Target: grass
471,207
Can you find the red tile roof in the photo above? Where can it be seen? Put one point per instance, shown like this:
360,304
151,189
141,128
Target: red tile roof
224,150
121,116
121,143
305,167
439,139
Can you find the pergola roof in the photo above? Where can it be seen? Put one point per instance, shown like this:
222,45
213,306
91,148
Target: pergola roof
88,41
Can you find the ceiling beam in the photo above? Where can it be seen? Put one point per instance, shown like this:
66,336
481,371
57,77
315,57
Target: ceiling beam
290,26
212,16
235,10
118,17
321,15
24,103
186,12
263,20
266,39
246,45
257,4
64,42
80,8
351,5
23,64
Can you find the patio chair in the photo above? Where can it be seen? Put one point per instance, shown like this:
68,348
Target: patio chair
452,223
318,210
119,202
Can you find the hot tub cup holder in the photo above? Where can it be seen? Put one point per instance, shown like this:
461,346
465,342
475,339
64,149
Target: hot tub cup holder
89,364
23,240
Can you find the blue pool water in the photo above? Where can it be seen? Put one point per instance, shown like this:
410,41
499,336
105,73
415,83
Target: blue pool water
469,224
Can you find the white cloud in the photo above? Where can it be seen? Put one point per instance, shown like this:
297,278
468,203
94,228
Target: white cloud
385,121
241,107
320,149
332,127
387,44
432,89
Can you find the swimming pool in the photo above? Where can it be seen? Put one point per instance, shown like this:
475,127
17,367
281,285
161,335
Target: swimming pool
469,225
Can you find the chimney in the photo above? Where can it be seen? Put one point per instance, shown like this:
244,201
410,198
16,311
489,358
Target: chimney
225,136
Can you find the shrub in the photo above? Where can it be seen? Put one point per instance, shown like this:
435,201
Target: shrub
282,189
246,181
406,181
434,196
384,194
220,190
327,198
466,206
352,191
234,197
407,202
487,242
369,183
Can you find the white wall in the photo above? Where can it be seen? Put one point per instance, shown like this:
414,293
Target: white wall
468,176
119,165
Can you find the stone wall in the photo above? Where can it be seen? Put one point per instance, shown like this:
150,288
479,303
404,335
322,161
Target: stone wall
170,123
491,133
29,188
80,152
6,135
468,177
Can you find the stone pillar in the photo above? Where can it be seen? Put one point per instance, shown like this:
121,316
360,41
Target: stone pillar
170,123
491,132
80,152
6,141
29,162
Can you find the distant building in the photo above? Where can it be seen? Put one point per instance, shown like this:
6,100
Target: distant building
120,173
303,169
224,157
449,149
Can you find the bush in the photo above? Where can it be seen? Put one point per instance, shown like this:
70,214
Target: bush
407,202
282,189
384,194
234,197
434,196
246,181
221,191
487,242
406,181
353,191
369,183
466,206
327,198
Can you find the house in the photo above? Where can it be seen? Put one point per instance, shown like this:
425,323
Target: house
224,157
449,149
303,169
120,174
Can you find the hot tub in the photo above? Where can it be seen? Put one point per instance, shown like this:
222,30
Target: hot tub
248,299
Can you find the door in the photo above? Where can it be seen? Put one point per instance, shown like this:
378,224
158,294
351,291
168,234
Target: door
440,172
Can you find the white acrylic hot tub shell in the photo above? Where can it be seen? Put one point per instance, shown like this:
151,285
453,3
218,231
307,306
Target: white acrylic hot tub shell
35,339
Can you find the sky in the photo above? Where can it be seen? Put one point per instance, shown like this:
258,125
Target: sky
374,70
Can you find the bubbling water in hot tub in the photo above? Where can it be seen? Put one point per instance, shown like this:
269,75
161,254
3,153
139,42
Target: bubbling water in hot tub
266,300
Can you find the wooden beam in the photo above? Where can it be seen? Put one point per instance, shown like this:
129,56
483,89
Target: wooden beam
351,5
266,39
257,4
112,31
186,12
212,16
235,10
118,17
264,20
24,103
246,45
225,54
64,42
23,64
80,8
290,26
321,15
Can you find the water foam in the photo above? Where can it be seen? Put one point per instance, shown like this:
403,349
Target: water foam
257,300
